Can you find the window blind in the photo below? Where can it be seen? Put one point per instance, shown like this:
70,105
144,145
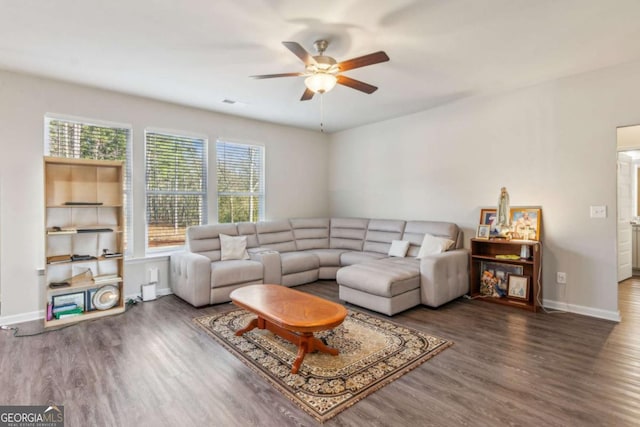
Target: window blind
176,187
240,173
82,139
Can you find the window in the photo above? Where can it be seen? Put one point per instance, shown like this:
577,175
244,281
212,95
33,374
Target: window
240,175
176,189
93,139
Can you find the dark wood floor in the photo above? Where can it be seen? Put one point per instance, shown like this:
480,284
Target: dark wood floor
152,367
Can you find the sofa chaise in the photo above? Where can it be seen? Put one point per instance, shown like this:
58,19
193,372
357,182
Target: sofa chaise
352,251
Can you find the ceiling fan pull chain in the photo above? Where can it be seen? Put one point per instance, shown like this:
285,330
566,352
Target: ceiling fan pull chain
322,113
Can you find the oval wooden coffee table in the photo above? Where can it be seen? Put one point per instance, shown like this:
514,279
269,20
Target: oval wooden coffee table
290,314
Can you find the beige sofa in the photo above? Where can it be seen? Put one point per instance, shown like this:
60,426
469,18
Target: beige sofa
353,251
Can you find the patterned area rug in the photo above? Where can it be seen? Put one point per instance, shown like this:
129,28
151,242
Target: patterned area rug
373,353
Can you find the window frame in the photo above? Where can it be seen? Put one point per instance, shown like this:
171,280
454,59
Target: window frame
205,193
263,207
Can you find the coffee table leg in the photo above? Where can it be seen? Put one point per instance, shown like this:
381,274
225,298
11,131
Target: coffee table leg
307,343
302,350
252,325
320,346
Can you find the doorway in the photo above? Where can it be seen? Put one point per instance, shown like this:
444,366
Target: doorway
628,187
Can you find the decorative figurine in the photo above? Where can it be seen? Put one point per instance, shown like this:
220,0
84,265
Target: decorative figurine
503,215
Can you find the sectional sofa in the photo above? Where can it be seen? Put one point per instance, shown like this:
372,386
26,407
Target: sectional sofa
352,251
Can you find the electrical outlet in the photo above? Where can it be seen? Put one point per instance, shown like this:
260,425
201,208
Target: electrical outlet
561,278
598,211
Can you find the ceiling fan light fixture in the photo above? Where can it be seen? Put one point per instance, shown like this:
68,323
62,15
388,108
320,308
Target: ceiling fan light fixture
320,82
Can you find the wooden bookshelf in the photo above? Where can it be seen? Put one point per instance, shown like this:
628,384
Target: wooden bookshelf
84,215
483,258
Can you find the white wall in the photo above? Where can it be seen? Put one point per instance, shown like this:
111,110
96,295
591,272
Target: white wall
296,171
552,145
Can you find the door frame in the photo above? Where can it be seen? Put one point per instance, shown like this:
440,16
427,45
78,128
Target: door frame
619,149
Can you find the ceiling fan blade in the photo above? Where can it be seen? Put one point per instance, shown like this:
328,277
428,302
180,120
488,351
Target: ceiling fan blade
270,76
300,52
307,95
363,61
356,84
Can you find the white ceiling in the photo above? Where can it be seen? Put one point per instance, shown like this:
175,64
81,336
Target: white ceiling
199,52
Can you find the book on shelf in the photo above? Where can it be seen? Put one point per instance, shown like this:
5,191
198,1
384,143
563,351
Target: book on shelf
76,257
68,313
508,256
104,279
62,314
64,307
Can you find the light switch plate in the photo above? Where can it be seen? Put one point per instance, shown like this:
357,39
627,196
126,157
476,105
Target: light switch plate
599,211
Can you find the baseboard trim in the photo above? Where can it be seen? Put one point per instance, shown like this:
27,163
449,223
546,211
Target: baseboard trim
38,315
20,318
581,309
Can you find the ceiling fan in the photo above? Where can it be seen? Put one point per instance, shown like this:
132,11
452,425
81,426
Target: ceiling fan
323,72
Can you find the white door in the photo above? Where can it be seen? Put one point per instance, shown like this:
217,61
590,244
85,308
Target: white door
624,216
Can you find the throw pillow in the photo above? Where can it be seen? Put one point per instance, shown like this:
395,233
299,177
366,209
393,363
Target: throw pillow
399,248
434,245
233,247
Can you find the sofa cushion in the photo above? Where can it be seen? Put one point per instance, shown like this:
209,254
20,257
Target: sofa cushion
385,278
398,248
432,245
276,235
295,262
248,229
205,239
310,233
233,247
356,257
225,273
414,232
380,233
348,233
328,257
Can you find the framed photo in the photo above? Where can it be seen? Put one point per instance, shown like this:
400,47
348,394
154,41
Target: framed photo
488,217
525,223
483,231
89,299
497,273
518,286
73,298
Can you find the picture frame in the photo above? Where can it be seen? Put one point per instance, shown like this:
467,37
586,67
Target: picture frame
488,217
89,299
483,232
498,273
77,298
525,223
518,286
